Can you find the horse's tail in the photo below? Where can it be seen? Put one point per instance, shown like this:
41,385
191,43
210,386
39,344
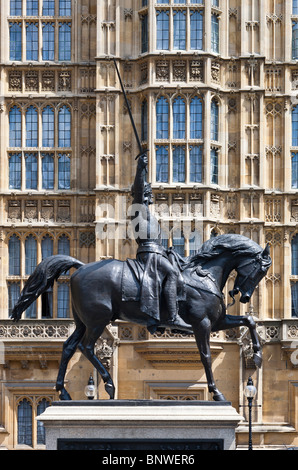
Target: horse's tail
41,279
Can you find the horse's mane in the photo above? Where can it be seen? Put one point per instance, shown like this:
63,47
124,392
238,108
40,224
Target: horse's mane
234,243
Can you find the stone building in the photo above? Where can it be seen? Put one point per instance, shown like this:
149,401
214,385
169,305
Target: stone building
213,89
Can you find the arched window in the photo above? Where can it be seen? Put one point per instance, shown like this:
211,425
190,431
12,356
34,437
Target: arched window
25,422
64,127
295,127
31,39
162,119
144,120
31,171
48,171
32,7
179,164
294,170
64,172
294,40
47,296
294,272
63,245
14,250
195,241
13,295
15,7
196,30
41,407
64,41
162,164
31,127
162,30
15,171
15,41
214,33
214,120
15,127
46,246
48,7
48,41
179,23
196,118
214,166
179,243
179,118
63,300
30,254
294,246
64,7
48,127
195,164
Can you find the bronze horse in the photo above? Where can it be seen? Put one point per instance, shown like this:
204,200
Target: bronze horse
97,299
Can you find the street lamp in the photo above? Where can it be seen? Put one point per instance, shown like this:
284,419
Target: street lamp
250,392
90,388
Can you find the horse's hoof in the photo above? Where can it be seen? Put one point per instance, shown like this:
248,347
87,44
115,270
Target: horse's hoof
257,358
219,397
110,389
64,395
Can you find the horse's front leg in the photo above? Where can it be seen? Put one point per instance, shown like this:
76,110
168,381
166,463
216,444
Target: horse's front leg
202,332
231,321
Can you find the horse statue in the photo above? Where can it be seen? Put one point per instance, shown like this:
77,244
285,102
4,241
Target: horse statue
97,299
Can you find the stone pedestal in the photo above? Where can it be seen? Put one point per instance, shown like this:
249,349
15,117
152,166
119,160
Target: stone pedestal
140,425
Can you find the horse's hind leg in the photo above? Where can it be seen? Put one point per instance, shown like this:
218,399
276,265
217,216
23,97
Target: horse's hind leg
87,348
69,349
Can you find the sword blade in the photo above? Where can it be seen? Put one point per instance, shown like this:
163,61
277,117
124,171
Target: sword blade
129,110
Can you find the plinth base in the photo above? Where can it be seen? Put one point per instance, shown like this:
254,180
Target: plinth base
140,425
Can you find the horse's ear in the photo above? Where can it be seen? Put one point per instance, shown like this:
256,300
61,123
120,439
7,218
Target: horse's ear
266,252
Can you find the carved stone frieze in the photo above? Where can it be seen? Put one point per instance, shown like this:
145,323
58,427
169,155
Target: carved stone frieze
31,210
14,210
294,210
47,210
196,70
15,80
162,70
215,71
63,211
31,80
179,70
64,80
48,80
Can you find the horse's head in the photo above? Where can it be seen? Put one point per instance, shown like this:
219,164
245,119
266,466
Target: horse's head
249,273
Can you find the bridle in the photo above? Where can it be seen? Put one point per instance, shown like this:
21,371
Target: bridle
257,260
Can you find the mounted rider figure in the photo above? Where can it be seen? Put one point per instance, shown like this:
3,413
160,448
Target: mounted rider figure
159,275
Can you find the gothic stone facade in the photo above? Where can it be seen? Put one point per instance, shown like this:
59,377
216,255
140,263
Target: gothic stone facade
213,89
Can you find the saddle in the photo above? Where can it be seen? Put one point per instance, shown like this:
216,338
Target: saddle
132,282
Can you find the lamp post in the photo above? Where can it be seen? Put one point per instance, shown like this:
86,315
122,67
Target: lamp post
90,388
250,392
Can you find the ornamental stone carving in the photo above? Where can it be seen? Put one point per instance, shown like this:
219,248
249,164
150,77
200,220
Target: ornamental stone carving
179,70
162,70
15,80
196,70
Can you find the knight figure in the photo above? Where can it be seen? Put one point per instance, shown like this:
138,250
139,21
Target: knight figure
159,274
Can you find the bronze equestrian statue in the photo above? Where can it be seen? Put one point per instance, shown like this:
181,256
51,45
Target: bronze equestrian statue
110,290
98,298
